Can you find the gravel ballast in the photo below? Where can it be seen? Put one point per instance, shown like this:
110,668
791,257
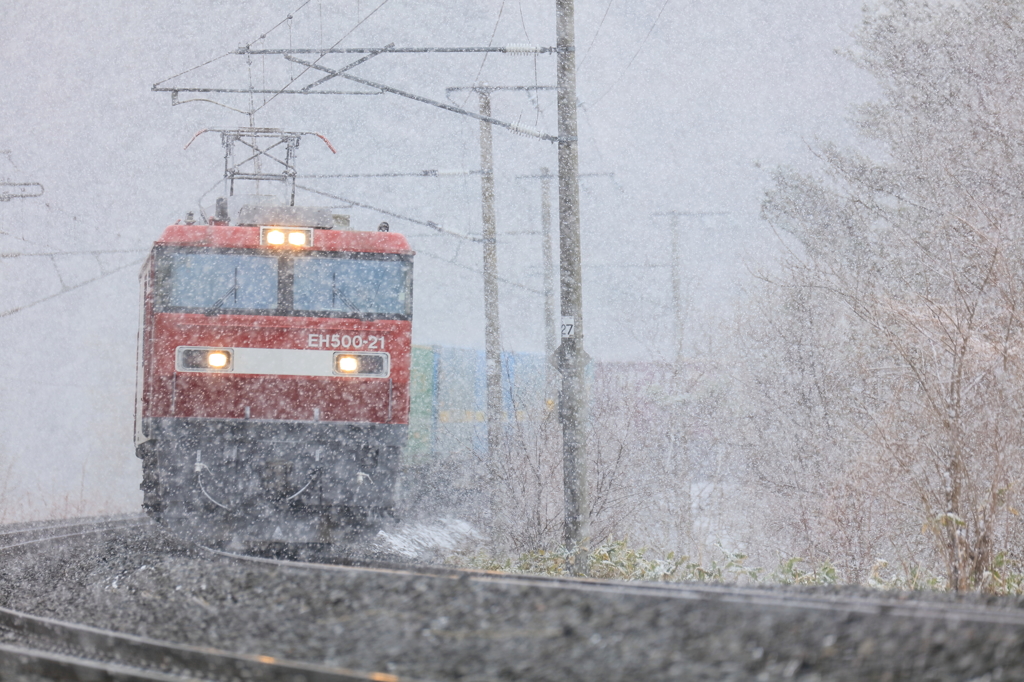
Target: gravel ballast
449,627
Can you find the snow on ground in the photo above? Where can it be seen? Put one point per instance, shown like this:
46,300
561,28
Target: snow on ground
421,539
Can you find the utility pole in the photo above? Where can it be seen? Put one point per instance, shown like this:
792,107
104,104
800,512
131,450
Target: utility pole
677,278
572,400
547,251
492,326
677,292
676,438
545,177
547,247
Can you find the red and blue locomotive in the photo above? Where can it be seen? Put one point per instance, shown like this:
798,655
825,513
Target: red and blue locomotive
273,392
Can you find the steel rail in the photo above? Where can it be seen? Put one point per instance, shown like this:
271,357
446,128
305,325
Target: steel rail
26,534
53,649
742,596
17,662
6,529
48,642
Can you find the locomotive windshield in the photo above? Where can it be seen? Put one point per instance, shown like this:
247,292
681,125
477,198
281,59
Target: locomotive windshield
367,286
221,280
345,284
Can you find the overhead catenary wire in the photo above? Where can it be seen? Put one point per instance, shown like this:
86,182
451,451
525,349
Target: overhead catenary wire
490,43
248,51
514,127
278,25
48,254
426,223
20,238
536,72
347,34
375,88
67,289
194,68
226,54
593,40
428,173
434,226
51,207
503,280
522,20
636,54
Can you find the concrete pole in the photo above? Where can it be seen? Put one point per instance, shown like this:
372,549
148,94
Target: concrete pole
677,292
550,376
572,404
677,418
680,510
492,326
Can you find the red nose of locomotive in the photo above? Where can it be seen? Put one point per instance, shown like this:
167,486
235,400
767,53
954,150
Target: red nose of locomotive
274,367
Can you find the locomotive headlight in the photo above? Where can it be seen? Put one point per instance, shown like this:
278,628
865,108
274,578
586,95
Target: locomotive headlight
203,359
218,359
347,364
362,364
286,236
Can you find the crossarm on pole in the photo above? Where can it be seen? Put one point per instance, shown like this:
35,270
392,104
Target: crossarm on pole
441,105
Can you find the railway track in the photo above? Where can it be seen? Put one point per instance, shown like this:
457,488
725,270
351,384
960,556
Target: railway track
49,531
705,631
328,621
35,647
65,651
747,597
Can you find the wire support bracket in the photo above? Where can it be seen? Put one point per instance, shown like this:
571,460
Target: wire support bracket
375,88
512,48
514,127
20,190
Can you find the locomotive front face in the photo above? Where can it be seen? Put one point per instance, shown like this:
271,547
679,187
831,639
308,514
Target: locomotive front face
275,394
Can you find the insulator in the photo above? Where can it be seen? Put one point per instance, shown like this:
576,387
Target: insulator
524,130
522,48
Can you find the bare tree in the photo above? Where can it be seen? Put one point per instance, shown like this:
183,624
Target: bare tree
647,433
903,282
